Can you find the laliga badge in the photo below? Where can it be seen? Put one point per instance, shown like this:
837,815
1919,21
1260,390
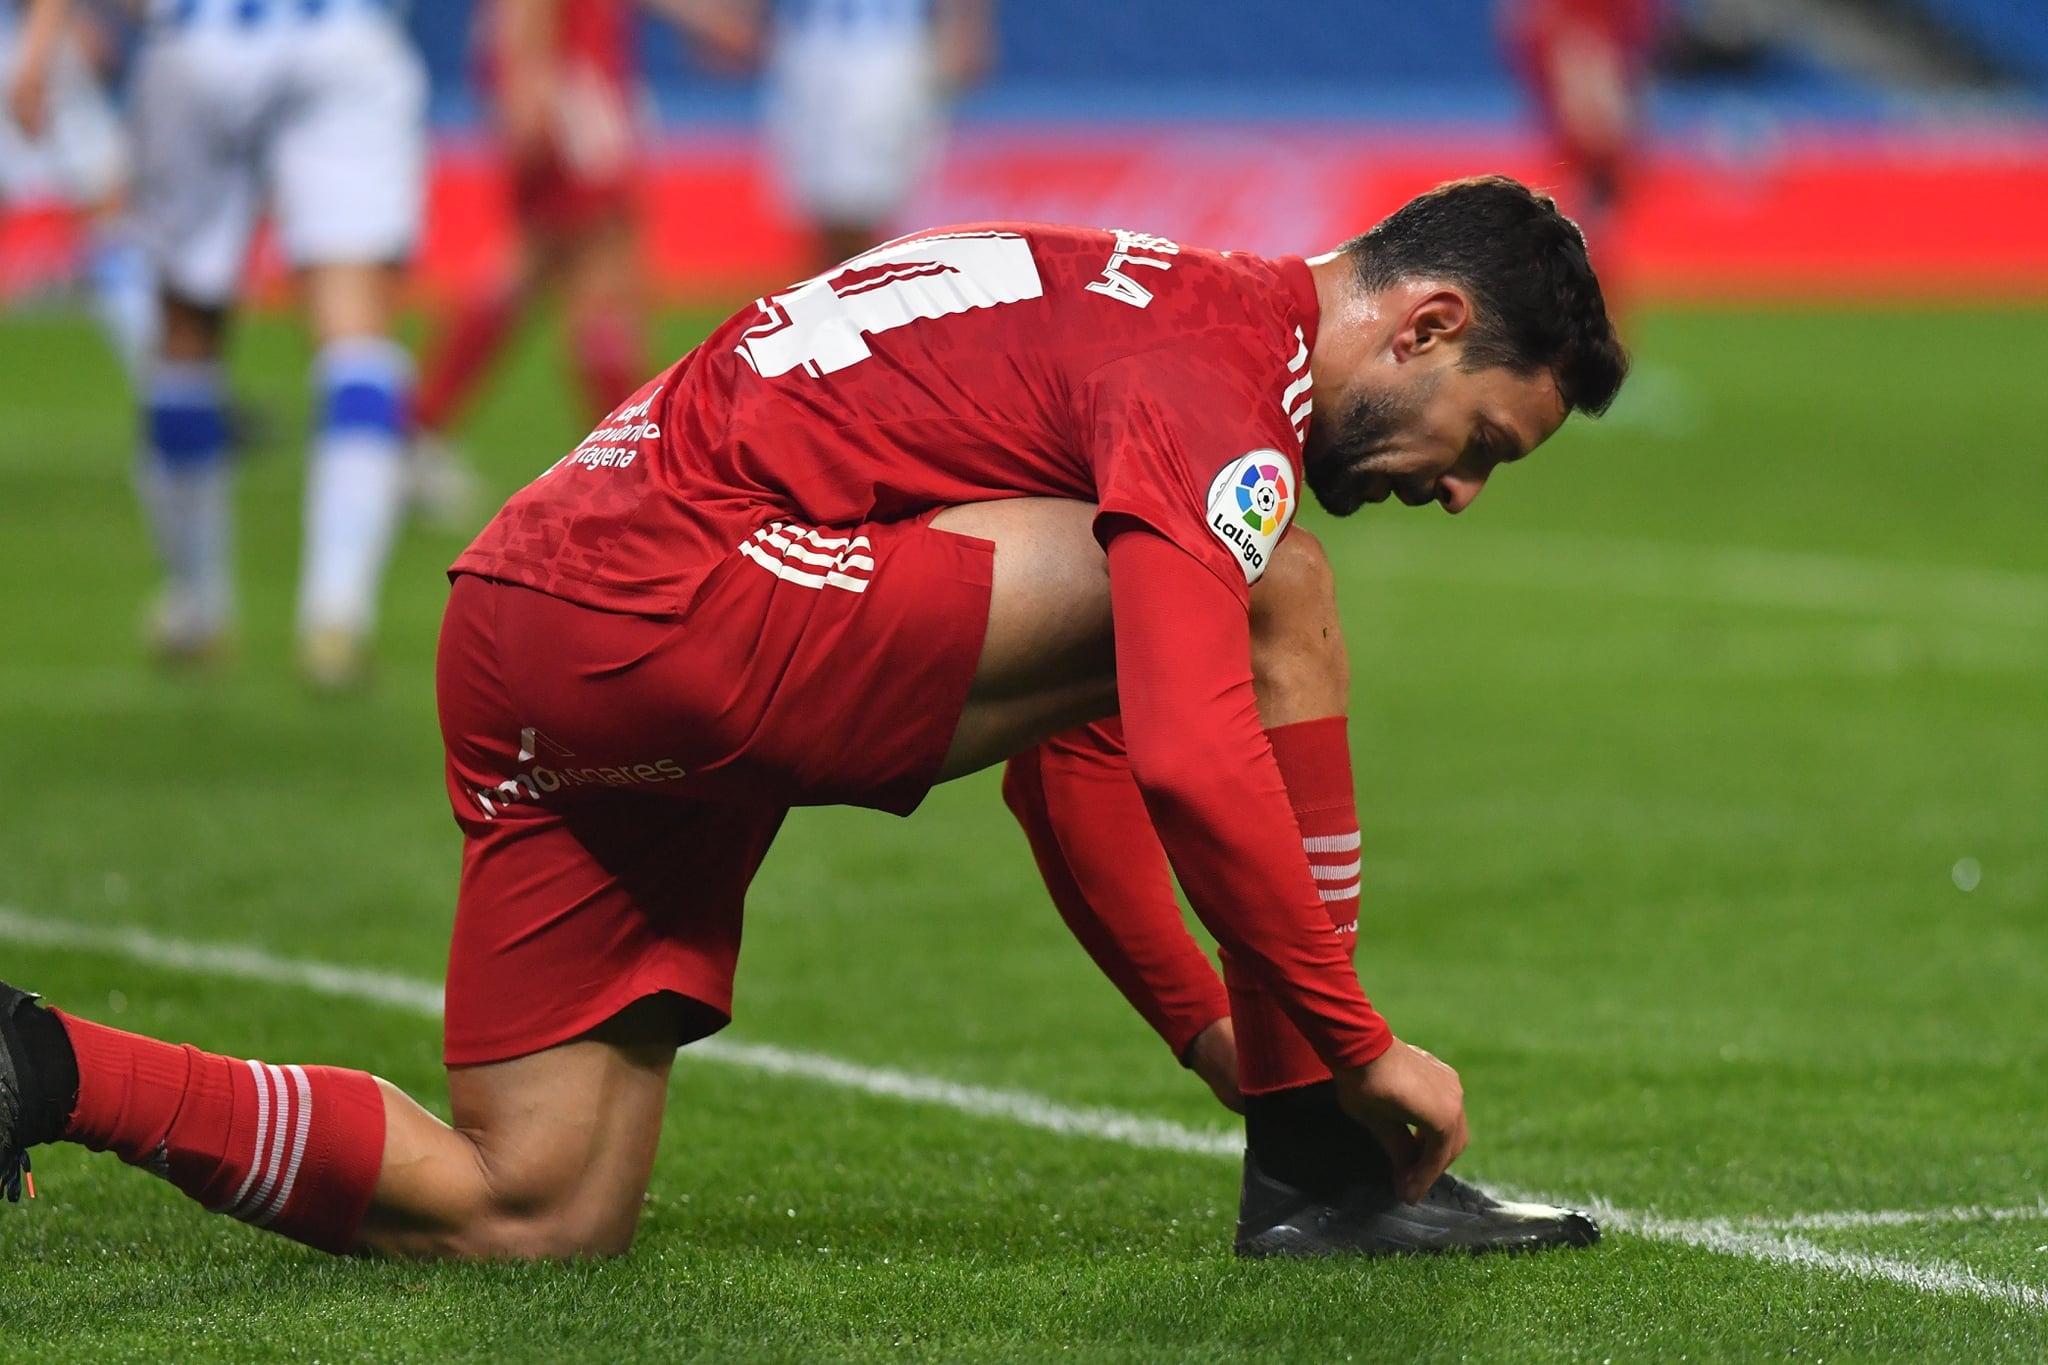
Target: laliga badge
1250,502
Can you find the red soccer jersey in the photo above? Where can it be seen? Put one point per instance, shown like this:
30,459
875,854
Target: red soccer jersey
955,366
598,33
595,35
1167,384
1630,25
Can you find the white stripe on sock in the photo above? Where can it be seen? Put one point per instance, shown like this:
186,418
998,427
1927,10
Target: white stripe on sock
300,1129
234,1206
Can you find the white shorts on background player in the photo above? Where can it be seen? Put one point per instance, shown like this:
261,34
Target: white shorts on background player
853,120
82,156
319,119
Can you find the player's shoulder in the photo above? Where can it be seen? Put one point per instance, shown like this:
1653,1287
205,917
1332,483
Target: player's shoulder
1140,290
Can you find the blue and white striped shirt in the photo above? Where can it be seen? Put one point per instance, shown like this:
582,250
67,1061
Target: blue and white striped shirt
851,19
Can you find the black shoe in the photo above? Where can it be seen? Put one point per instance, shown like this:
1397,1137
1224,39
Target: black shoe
1368,1219
14,1099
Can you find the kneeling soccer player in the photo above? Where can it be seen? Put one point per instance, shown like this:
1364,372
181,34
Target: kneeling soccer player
897,523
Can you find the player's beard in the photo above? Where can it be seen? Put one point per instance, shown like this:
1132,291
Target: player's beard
1345,469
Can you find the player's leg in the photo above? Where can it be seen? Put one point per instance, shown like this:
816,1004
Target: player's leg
1093,839
355,480
196,203
185,482
346,164
441,484
95,165
602,304
1315,1182
465,346
460,356
597,927
1048,658
1294,1128
548,1156
1107,873
124,293
1337,1196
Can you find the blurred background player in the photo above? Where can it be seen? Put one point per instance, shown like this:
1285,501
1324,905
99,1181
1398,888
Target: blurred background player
316,113
856,92
1587,67
560,76
61,143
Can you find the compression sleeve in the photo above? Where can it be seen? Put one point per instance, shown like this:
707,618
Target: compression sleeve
1202,760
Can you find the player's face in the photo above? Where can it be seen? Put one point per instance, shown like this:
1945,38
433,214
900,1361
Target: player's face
1434,434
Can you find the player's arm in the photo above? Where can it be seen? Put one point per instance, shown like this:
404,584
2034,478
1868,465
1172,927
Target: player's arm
1202,761
28,96
963,36
728,30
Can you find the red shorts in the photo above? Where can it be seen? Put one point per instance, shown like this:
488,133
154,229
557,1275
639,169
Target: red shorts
550,195
586,172
618,779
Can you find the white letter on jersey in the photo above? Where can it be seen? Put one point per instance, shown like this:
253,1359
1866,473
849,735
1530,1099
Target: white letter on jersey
822,324
1121,287
1251,500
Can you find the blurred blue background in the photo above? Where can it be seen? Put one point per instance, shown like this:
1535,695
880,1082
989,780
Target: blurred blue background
1383,61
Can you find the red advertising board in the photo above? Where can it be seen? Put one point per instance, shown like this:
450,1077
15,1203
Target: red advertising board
1799,214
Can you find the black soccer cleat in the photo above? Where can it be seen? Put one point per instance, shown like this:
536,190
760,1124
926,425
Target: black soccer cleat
1369,1219
14,1097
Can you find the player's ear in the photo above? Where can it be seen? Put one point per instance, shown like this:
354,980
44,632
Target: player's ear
1437,319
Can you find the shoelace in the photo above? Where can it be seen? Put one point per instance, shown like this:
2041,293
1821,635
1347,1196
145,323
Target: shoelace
1451,1190
16,1177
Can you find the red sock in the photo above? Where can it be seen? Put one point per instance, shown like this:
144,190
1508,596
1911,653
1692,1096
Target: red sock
611,360
293,1149
461,355
1107,873
1315,765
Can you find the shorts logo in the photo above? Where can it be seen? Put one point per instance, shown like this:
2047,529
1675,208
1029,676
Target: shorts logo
1250,502
537,781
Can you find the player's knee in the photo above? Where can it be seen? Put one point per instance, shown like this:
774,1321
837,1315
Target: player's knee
562,1233
1299,664
521,1203
565,1229
554,1211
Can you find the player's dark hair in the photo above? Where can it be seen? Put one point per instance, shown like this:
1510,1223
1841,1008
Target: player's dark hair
1536,301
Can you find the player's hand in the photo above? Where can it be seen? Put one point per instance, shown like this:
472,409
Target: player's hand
1213,1057
28,99
729,41
964,55
1415,1106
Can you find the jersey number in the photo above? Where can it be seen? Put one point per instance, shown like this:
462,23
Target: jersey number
822,325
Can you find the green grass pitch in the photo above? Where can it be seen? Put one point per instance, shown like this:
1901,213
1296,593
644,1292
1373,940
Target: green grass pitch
1704,775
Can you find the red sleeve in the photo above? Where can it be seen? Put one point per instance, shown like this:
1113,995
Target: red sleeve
1197,443
1202,760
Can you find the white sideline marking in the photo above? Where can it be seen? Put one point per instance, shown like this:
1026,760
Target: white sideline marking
1770,1240
1033,1111
1782,1248
225,959
1739,575
1853,1219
